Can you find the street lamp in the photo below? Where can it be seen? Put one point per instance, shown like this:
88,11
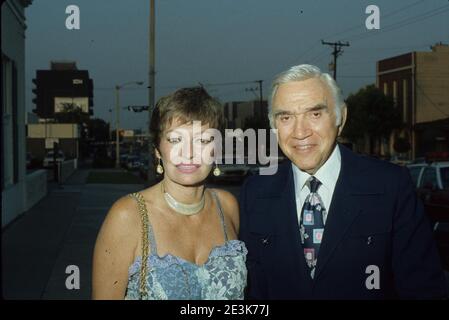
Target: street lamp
117,118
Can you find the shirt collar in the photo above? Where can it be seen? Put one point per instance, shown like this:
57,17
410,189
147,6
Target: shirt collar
327,174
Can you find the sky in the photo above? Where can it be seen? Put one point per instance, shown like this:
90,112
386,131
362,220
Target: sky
226,45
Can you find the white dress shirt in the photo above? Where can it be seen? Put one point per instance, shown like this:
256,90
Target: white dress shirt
327,175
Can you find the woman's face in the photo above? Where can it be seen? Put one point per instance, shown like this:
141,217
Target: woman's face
187,152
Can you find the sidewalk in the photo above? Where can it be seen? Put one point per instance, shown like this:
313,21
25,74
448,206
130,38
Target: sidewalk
57,232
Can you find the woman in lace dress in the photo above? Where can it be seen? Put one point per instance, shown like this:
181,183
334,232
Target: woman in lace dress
176,239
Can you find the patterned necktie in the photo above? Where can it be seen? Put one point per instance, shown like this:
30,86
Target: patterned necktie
312,225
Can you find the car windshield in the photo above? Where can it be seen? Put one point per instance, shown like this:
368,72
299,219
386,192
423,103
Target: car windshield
414,172
445,177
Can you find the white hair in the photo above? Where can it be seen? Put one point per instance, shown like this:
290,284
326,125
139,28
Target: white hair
303,72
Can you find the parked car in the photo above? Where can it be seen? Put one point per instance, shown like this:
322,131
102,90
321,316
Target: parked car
401,160
49,158
237,172
123,160
432,183
133,163
143,172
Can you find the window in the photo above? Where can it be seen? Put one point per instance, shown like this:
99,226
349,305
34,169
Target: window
10,126
7,133
15,123
444,172
429,178
404,101
385,88
395,93
414,172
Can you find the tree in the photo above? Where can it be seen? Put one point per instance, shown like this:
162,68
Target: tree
98,129
371,115
402,145
71,113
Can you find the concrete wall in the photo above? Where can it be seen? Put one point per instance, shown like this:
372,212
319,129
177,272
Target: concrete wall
36,187
13,47
67,169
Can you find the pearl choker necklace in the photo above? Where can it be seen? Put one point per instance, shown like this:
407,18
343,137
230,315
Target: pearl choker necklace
183,208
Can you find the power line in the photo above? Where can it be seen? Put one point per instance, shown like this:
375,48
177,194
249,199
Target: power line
186,86
336,53
401,24
230,83
319,57
360,25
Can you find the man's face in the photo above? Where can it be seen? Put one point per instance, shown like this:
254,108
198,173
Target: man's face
304,114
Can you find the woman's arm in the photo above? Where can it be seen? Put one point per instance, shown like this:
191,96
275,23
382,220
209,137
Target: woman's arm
114,250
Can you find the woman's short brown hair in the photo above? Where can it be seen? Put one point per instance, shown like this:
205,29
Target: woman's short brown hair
185,105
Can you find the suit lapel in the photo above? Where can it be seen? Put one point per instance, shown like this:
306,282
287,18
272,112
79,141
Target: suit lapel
342,212
290,224
281,195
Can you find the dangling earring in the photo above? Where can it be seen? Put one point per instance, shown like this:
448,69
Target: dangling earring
159,168
216,171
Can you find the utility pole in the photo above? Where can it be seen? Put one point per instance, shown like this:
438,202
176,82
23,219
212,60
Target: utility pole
151,87
336,53
117,121
260,92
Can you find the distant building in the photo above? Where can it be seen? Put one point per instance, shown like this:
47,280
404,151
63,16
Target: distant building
42,136
237,112
13,163
60,87
419,85
246,115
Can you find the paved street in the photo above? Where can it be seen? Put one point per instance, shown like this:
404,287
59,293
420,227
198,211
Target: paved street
59,231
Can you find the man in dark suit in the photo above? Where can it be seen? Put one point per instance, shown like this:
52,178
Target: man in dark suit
331,224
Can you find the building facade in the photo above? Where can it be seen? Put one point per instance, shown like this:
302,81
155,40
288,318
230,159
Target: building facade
237,113
62,87
419,85
42,136
13,164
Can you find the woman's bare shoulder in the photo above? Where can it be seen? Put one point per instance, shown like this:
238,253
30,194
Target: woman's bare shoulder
230,205
123,216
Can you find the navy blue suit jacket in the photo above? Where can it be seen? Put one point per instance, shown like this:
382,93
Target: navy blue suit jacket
374,219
